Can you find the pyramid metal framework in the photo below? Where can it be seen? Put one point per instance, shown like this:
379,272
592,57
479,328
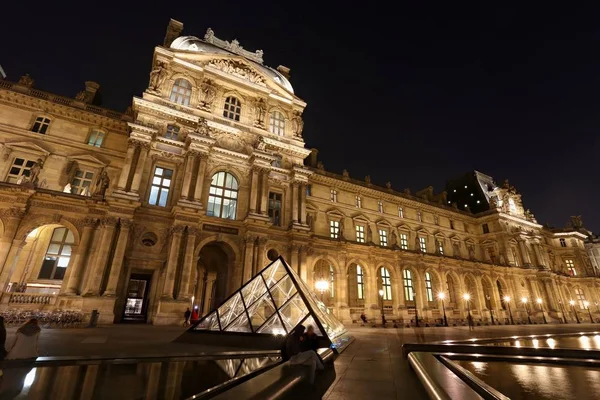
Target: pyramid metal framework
274,302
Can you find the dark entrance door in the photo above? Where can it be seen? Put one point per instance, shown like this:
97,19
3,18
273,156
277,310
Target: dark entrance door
136,303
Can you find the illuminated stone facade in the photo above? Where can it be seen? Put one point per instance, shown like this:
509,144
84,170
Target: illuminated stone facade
187,195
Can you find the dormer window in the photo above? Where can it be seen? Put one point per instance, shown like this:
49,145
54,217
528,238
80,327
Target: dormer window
232,108
181,92
96,138
277,123
172,132
41,125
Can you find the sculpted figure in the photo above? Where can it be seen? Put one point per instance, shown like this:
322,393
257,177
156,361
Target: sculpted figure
297,124
388,185
157,76
208,93
35,170
260,110
345,173
102,184
26,81
369,234
67,188
471,252
368,179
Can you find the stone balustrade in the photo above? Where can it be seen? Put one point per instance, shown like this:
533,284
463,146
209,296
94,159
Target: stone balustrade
28,298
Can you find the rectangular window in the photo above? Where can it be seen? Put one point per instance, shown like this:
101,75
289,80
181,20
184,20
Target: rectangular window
440,247
333,195
580,298
20,167
428,287
380,206
275,208
57,255
82,181
308,190
404,241
360,282
419,216
383,241
571,267
423,244
451,224
400,212
386,283
360,233
334,229
96,138
161,183
563,242
358,202
486,228
409,292
172,132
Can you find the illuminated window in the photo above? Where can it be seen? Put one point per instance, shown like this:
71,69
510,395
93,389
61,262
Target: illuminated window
440,247
400,212
41,125
428,287
563,242
423,244
419,216
96,138
232,108
380,206
383,241
82,180
386,283
334,229
358,202
333,195
20,167
404,241
223,195
580,297
275,208
57,255
277,123
571,267
161,183
409,291
331,281
172,132
360,281
181,92
360,233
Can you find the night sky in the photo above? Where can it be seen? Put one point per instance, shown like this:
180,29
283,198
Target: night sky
414,94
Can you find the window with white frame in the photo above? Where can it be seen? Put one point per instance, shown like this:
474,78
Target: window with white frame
82,182
428,287
383,238
423,244
96,138
161,184
419,216
571,267
41,125
20,167
232,108
57,255
181,92
563,242
223,195
277,123
409,291
358,202
404,241
386,283
334,229
440,247
333,195
580,297
400,212
172,132
380,206
331,282
360,282
360,233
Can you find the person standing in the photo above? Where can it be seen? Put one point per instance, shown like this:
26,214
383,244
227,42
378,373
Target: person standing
26,343
187,314
471,324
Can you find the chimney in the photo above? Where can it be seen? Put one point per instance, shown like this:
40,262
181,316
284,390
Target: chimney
313,157
91,88
285,71
173,31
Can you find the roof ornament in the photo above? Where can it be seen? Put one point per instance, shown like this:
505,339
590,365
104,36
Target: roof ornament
233,46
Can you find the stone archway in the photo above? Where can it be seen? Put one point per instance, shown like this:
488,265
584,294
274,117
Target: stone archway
216,262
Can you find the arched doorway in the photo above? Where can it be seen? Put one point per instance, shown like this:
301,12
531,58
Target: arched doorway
215,262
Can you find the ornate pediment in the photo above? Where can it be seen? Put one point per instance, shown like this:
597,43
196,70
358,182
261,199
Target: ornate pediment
404,227
238,69
360,218
27,147
335,213
89,159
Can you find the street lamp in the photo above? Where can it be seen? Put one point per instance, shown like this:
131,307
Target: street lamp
442,296
539,301
467,297
562,308
487,296
322,286
524,301
572,303
507,301
587,305
382,315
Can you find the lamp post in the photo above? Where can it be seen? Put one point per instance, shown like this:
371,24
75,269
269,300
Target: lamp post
442,296
382,315
539,301
322,285
572,303
524,301
487,296
507,301
587,305
562,309
416,311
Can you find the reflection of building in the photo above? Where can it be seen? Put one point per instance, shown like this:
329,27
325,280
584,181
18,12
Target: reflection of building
185,196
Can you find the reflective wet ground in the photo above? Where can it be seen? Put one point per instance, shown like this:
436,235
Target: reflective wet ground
587,341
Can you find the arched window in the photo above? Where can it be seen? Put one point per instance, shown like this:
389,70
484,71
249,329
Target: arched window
501,294
57,255
386,283
41,125
428,286
451,289
277,123
223,194
580,297
409,291
181,92
232,108
360,282
331,282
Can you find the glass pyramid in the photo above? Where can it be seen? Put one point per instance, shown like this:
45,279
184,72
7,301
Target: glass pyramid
274,302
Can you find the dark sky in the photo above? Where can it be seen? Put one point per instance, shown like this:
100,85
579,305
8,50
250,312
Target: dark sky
415,94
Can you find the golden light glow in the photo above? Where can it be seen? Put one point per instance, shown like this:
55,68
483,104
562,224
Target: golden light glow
467,296
523,300
322,285
441,295
572,302
381,292
539,301
586,303
507,299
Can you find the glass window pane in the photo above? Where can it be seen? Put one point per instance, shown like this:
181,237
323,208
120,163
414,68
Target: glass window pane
70,238
153,195
66,250
63,261
164,193
58,234
53,248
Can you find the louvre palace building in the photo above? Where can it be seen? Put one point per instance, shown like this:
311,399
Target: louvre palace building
206,178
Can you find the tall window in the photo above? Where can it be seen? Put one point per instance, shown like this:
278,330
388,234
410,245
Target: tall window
404,241
20,167
58,254
82,180
172,132
386,283
334,229
380,206
571,267
419,216
161,183
96,138
440,247
232,108
422,244
277,123
331,282
409,291
501,294
181,92
383,240
563,242
275,208
41,125
428,287
360,233
580,297
333,195
358,202
308,190
400,212
223,194
360,281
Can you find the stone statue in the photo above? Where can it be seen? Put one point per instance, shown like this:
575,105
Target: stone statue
417,244
552,258
502,258
388,185
158,76
260,144
393,239
67,188
34,171
369,234
85,191
471,252
368,179
576,222
456,248
209,35
345,173
203,128
102,184
260,109
26,81
406,191
494,202
207,94
341,232
297,124
21,179
320,165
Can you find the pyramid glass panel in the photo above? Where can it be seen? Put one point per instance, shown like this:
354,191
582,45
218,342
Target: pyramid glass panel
273,326
274,273
283,290
231,309
310,321
253,290
240,324
261,310
230,366
293,312
210,323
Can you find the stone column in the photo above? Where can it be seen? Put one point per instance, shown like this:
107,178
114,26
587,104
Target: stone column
176,232
76,267
139,169
185,286
294,258
295,202
117,264
94,280
11,262
124,177
260,259
302,263
480,297
11,223
524,253
187,175
200,178
372,296
248,258
200,272
210,281
264,197
253,191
